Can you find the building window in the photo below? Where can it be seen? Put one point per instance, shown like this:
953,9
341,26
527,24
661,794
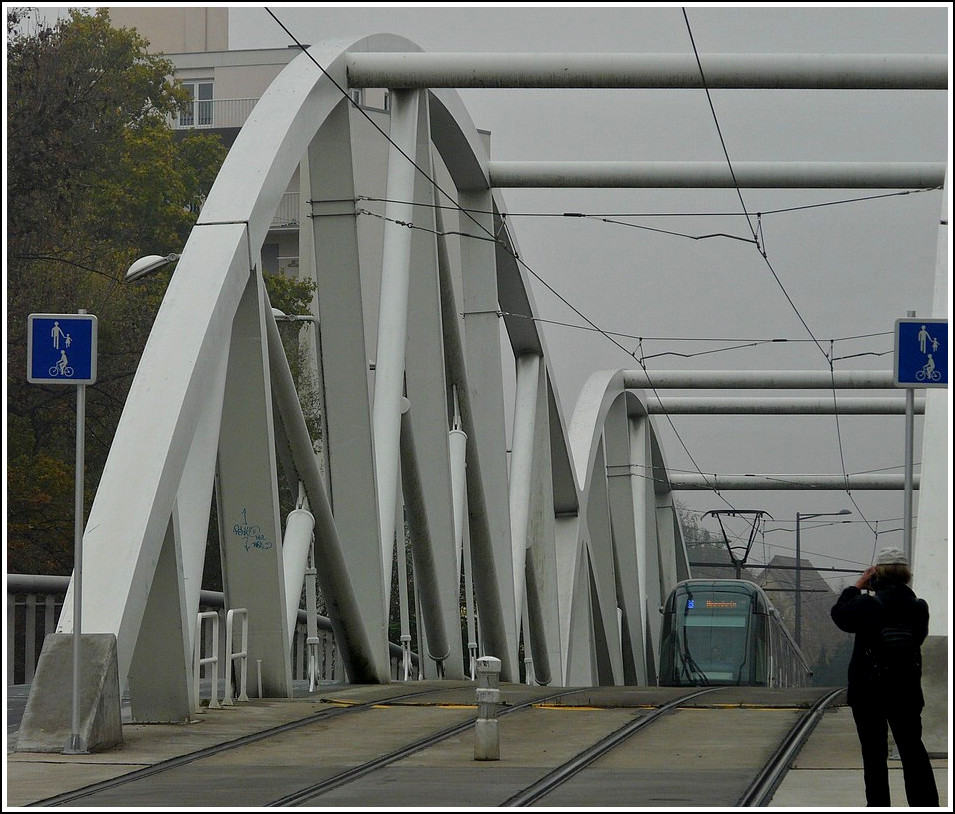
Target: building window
200,114
270,258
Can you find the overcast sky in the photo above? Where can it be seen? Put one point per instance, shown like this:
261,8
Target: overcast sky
837,276
846,271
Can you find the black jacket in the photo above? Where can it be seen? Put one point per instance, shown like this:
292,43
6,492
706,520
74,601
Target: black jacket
860,613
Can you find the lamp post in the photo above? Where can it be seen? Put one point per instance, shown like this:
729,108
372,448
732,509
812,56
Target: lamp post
149,264
281,316
800,516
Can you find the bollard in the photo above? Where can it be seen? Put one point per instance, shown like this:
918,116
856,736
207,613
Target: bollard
487,742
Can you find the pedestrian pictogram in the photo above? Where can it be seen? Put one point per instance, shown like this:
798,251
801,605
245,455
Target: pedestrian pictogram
61,348
921,352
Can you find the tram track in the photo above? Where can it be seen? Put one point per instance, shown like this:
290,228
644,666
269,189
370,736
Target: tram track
307,794
171,764
580,762
538,789
764,785
355,779
757,793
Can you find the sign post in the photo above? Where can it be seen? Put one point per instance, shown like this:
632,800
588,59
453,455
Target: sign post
61,349
921,360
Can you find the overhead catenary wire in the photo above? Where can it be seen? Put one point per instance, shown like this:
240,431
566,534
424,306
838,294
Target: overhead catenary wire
590,323
596,329
437,187
763,254
739,191
705,214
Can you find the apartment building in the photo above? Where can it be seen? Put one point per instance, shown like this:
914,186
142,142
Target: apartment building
225,87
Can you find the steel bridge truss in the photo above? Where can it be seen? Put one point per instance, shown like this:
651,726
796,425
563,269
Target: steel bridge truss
568,533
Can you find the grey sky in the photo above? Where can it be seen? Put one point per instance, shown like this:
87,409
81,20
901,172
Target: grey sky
850,270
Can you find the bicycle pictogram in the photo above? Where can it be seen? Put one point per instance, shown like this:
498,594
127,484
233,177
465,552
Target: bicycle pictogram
928,372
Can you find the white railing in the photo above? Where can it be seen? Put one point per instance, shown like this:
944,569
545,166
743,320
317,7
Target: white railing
287,212
242,655
34,603
214,113
213,659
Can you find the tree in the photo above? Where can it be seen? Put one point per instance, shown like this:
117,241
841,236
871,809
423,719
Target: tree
96,177
701,544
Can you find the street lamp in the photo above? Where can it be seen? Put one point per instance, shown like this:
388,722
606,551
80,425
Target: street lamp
147,265
281,316
801,516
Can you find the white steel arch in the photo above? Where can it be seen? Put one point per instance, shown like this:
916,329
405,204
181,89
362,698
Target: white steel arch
213,394
574,539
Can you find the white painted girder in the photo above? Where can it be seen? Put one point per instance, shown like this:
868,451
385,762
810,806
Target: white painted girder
598,540
393,312
144,470
631,70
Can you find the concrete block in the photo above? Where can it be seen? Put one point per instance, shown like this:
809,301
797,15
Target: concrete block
935,686
47,722
487,740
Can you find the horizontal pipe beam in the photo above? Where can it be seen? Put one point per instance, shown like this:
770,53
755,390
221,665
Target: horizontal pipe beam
721,483
823,405
760,379
715,174
630,70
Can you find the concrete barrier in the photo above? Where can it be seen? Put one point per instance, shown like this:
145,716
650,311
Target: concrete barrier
487,739
47,725
935,688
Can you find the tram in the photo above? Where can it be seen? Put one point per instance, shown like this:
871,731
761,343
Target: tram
727,632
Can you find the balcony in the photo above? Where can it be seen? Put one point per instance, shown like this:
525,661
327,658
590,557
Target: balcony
214,113
286,216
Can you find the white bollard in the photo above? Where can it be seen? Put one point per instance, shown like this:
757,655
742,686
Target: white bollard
487,741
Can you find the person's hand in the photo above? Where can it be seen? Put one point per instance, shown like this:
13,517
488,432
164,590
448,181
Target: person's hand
863,582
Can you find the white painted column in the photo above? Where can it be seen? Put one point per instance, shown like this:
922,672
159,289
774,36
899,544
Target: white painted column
247,496
393,312
522,467
931,561
347,443
487,459
295,547
457,444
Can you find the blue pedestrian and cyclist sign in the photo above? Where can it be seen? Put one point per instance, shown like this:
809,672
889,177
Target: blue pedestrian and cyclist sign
61,348
921,352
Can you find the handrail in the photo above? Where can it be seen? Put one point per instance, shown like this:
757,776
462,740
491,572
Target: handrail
41,595
212,113
231,656
213,659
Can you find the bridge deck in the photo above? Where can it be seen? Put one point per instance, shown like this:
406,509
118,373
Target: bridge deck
826,774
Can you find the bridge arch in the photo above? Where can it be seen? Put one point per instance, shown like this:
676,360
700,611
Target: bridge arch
212,409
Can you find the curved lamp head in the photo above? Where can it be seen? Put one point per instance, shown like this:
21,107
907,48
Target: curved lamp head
147,265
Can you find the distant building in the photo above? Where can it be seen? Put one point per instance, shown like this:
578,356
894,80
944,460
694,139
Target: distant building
825,646
176,29
711,560
225,87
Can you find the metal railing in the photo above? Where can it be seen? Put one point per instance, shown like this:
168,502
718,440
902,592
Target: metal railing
287,212
242,655
213,659
34,602
209,113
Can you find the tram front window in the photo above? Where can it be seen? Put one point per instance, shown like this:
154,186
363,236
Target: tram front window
714,629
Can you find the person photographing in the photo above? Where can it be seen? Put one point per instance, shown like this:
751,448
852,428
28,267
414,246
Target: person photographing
885,676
